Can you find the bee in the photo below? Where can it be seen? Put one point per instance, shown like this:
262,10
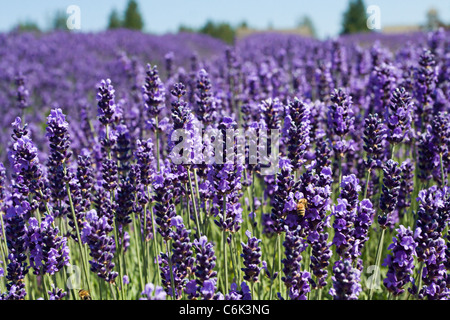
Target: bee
84,295
302,204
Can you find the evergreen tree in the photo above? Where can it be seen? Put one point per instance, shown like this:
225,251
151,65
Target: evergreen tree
27,26
59,21
114,20
133,18
222,31
183,28
355,18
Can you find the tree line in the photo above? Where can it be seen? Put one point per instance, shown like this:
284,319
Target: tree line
354,20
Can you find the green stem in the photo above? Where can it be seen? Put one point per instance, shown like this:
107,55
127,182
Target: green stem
224,244
197,192
273,270
116,238
172,281
45,285
238,261
442,169
253,290
80,245
155,241
367,183
279,262
138,250
144,244
157,143
4,248
378,260
119,257
420,278
197,223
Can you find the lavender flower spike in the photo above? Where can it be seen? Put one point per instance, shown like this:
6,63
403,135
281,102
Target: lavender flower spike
251,253
401,261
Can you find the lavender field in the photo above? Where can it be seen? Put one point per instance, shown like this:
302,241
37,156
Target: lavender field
178,167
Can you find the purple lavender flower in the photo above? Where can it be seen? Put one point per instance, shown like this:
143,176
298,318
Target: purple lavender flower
58,136
153,92
297,131
349,190
164,208
302,287
401,261
436,40
22,92
176,268
363,221
205,259
180,108
340,113
106,106
191,290
251,253
49,252
27,172
285,188
3,189
81,187
352,220
182,259
208,291
346,280
294,246
343,226
320,257
16,240
168,58
389,192
180,112
271,276
271,112
153,293
145,160
322,154
315,187
95,234
324,81
235,294
398,116
125,193
440,130
432,216
374,133
225,182
425,77
56,294
428,158
339,67
205,102
406,186
225,178
382,82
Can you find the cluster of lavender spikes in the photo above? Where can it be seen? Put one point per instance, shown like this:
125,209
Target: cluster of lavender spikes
361,131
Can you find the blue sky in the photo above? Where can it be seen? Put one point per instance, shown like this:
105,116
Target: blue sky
166,15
